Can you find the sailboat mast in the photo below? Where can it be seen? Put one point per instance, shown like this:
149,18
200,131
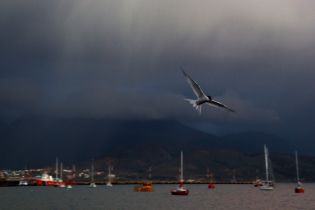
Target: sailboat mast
181,166
61,171
297,167
92,170
109,174
266,161
208,172
56,168
150,173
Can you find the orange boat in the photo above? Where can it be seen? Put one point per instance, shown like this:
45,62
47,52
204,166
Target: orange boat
146,187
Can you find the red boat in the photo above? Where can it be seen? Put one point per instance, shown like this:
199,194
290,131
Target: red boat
299,188
47,180
180,189
211,185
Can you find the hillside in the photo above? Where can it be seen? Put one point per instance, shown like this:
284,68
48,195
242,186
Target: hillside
35,142
253,140
164,159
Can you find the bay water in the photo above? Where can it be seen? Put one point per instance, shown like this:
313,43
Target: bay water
224,196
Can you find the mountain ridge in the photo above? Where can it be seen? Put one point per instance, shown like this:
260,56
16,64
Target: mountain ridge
38,140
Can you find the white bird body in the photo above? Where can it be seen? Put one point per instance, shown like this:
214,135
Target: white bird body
202,98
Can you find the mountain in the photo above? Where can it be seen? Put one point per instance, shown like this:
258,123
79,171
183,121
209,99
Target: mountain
133,162
34,142
253,140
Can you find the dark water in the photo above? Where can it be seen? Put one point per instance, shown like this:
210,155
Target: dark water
122,197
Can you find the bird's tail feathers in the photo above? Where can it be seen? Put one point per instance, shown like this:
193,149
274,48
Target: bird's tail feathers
193,102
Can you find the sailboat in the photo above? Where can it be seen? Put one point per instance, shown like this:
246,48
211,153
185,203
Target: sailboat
211,185
180,190
109,184
92,185
62,184
233,180
299,188
266,185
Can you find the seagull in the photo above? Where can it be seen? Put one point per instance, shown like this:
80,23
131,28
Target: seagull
202,98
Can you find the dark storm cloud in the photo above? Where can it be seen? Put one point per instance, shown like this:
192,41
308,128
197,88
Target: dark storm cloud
19,93
120,59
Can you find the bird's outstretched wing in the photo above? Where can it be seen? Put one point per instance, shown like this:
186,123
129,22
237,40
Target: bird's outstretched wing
196,88
220,105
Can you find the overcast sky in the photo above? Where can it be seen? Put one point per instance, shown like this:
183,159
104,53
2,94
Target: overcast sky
120,59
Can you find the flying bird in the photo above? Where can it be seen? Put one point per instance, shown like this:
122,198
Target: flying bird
202,98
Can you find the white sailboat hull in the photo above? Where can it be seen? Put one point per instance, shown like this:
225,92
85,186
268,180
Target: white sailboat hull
266,188
92,185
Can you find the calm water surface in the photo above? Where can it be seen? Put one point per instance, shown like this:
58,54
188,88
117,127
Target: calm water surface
122,197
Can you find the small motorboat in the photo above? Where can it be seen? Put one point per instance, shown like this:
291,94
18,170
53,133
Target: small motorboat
146,187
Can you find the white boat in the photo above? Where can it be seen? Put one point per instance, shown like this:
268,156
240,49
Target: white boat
92,185
299,188
23,183
266,186
109,184
180,190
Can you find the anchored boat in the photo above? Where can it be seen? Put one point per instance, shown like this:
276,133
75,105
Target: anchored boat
92,185
299,188
211,184
180,190
267,185
146,185
109,184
